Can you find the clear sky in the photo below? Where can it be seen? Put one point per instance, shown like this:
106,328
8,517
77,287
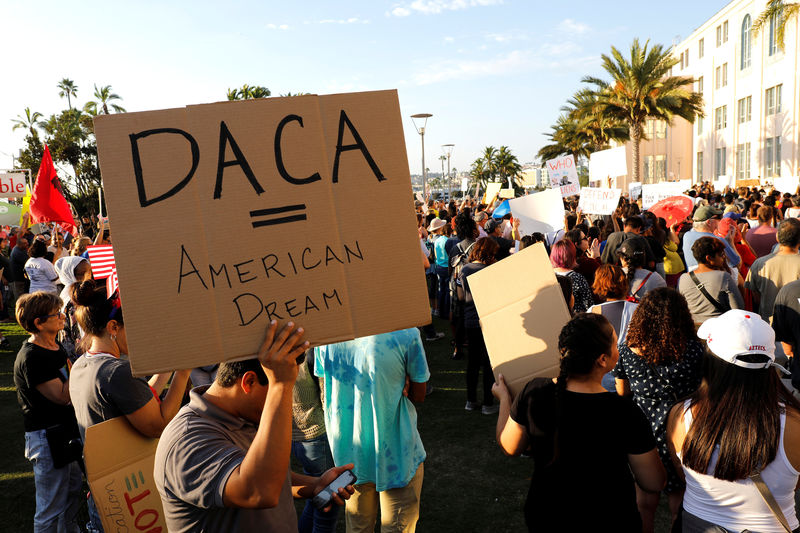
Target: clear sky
492,72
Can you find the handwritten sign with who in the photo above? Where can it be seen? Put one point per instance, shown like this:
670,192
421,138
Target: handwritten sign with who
229,215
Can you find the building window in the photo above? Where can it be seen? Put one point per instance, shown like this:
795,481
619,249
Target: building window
699,166
721,118
721,76
745,109
772,43
686,55
660,169
772,100
660,129
647,171
719,35
725,32
700,84
743,161
747,24
772,156
699,125
701,48
719,162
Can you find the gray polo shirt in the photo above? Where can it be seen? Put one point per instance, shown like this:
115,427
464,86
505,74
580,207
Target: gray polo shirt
196,454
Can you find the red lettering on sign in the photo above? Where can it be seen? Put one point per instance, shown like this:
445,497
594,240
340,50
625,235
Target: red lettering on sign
146,512
130,501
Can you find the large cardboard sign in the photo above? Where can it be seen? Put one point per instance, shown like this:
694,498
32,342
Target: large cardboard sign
12,184
522,311
563,175
464,184
541,211
297,239
609,163
598,200
119,467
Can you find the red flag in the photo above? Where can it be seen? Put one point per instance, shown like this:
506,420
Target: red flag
47,201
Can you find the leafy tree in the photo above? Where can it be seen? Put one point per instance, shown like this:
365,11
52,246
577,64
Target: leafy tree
68,89
642,88
496,163
103,99
781,11
247,92
30,121
507,166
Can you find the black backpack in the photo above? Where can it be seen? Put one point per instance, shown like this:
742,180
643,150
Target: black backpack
456,264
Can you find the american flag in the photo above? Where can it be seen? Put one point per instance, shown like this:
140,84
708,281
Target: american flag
112,283
101,257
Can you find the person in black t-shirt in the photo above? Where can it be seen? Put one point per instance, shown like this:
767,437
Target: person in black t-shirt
589,446
40,376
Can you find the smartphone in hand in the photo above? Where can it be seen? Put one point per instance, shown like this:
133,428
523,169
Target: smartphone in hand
323,498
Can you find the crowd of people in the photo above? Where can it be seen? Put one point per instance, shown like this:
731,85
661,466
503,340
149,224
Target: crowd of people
673,380
664,316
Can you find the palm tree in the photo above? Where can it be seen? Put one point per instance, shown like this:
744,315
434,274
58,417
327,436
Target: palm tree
248,92
29,121
781,12
478,173
68,89
642,88
508,166
103,99
567,138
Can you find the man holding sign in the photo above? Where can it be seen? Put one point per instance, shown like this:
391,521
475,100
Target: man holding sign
222,464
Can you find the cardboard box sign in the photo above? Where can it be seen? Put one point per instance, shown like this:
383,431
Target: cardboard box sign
119,467
522,311
229,215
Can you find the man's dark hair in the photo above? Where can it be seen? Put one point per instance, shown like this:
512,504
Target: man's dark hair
231,372
789,233
728,198
634,222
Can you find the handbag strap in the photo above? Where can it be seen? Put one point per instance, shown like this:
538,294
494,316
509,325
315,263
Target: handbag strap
634,293
769,499
701,287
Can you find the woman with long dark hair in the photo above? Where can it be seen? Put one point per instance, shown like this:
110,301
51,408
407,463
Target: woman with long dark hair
737,438
589,446
659,363
483,254
633,258
709,289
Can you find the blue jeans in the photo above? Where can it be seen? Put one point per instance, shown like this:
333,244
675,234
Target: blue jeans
315,456
443,294
58,490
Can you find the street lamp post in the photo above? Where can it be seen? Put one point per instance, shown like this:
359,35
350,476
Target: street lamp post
421,130
448,150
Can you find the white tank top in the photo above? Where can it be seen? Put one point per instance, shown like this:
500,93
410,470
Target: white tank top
738,505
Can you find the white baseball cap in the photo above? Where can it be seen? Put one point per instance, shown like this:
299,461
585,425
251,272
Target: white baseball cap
737,333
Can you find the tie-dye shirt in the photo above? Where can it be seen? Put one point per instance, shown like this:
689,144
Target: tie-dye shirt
369,421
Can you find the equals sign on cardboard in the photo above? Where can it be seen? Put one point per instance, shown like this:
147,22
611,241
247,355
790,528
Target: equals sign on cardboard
277,211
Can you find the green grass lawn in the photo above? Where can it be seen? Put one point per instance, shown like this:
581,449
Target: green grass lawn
469,486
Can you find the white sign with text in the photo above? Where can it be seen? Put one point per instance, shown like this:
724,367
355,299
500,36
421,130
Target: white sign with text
598,200
564,175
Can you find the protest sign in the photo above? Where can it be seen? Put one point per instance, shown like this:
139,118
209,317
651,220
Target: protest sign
788,184
9,214
12,184
464,184
522,311
755,182
492,190
635,190
609,163
723,181
506,193
420,198
541,211
564,175
598,200
655,192
119,468
296,242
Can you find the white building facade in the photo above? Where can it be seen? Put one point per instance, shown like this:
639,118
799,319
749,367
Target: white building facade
750,92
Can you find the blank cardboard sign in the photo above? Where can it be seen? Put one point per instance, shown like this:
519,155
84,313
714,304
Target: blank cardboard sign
119,468
229,215
522,311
